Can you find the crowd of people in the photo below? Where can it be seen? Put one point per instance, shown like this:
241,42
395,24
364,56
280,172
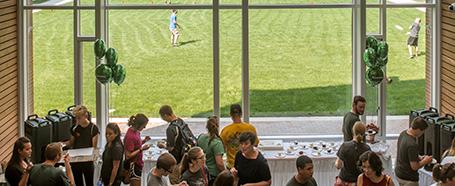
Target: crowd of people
198,161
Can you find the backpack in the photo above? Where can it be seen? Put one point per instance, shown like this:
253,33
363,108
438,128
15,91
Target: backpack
184,134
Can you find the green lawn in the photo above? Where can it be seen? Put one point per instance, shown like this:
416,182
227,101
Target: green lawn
300,61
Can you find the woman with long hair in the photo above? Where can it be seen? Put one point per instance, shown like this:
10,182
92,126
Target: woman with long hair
112,156
133,147
444,175
213,147
372,175
349,154
18,169
84,135
193,168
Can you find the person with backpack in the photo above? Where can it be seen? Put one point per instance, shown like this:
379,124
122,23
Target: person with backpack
84,135
134,148
179,137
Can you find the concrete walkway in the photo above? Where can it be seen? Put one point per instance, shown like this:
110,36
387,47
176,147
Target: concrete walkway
273,126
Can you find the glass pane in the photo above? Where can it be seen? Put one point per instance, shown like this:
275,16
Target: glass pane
157,72
374,1
407,90
373,21
52,60
87,2
300,69
160,2
295,1
407,1
88,68
87,22
230,59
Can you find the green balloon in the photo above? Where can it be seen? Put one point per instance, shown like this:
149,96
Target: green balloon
369,57
382,61
372,42
383,49
119,74
374,76
111,57
100,48
103,73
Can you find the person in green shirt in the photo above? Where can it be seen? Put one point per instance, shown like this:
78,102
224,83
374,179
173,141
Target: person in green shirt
358,108
46,174
213,147
304,176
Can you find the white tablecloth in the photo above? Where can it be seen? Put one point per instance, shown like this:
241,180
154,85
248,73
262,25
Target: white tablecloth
425,177
283,168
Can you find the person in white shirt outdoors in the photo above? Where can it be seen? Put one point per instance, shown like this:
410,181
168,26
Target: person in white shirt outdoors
213,147
173,25
304,176
444,175
193,168
372,175
159,175
413,40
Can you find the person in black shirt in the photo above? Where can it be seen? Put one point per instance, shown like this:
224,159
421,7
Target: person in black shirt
17,171
112,156
249,165
304,176
47,174
408,161
84,134
349,154
358,108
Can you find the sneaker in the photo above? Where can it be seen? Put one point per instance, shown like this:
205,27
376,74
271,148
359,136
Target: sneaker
389,80
410,57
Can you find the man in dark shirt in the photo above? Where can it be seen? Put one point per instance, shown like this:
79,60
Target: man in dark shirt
250,166
358,107
408,161
174,143
46,174
304,176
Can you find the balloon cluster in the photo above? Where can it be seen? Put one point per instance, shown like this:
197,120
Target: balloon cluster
375,58
111,71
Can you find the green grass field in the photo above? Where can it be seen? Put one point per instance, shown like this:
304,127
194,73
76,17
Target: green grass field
300,61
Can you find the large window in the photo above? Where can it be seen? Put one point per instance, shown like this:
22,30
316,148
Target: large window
52,60
301,56
157,72
300,62
407,89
